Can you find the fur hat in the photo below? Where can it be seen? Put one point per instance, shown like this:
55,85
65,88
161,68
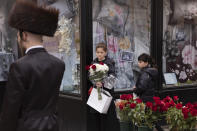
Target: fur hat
27,16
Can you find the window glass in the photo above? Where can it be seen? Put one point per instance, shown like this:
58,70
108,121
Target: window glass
180,41
124,25
66,43
8,44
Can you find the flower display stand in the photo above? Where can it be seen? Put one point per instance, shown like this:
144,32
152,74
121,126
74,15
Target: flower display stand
144,128
126,126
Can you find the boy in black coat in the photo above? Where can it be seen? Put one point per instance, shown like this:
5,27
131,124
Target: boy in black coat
34,80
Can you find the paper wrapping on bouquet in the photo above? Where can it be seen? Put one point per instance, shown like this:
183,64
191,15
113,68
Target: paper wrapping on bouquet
110,82
102,105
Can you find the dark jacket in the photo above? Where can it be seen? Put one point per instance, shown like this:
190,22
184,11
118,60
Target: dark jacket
146,84
32,92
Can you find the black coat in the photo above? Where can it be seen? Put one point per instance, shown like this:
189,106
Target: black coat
32,92
146,84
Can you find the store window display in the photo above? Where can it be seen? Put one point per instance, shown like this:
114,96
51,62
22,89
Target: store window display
124,25
8,50
180,40
66,43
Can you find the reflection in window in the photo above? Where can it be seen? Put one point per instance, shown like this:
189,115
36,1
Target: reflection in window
8,46
125,26
180,40
66,43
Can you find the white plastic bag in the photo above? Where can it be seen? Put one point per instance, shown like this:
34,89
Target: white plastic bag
102,105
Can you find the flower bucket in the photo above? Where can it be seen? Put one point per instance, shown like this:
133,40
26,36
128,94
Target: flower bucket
144,128
126,126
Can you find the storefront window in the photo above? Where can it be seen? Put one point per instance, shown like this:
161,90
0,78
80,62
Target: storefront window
66,43
180,41
124,25
8,46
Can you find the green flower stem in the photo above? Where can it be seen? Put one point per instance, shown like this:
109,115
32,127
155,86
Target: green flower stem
99,93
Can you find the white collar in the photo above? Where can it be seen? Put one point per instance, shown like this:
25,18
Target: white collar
33,47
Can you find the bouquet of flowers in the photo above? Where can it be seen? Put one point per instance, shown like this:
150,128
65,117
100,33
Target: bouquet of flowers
181,117
97,72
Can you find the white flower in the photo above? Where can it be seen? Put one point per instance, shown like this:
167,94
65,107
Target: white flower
99,72
183,75
65,31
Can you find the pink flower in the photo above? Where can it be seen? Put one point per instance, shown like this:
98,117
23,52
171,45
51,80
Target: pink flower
189,56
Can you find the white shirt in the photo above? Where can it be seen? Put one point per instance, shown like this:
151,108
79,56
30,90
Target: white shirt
33,47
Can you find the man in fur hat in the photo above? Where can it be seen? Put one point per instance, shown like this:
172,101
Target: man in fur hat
34,80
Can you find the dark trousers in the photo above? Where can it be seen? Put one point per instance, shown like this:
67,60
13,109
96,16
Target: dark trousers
109,121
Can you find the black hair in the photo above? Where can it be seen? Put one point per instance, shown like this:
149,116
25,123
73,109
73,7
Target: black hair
147,58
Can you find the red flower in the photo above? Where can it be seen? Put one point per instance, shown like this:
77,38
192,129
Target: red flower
172,103
93,67
163,108
158,102
132,105
126,97
129,97
167,105
87,67
123,97
156,98
149,104
185,115
185,110
195,106
101,63
189,105
167,99
178,106
121,106
138,100
176,98
154,108
193,112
